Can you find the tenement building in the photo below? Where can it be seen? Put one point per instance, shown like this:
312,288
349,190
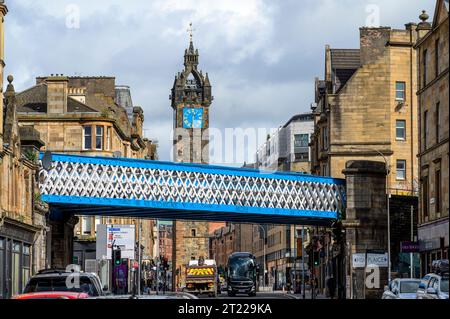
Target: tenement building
23,223
190,100
366,107
433,61
82,115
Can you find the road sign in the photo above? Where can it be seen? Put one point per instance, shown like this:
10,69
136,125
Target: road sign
359,260
380,260
123,237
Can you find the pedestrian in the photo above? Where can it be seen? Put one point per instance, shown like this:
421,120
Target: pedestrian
316,286
331,287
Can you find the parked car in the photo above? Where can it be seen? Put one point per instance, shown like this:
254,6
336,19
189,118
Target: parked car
54,280
422,287
52,295
437,287
402,288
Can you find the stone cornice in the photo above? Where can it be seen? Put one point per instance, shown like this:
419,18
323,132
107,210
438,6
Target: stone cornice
3,9
435,146
429,33
434,81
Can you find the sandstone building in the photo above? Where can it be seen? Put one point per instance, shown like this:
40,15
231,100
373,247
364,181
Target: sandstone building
23,217
80,115
433,85
366,107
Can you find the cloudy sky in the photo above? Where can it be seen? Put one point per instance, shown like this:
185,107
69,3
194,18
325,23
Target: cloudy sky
261,55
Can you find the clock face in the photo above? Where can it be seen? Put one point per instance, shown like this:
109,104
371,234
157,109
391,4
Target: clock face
192,117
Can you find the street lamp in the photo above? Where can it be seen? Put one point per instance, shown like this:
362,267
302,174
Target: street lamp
264,253
387,203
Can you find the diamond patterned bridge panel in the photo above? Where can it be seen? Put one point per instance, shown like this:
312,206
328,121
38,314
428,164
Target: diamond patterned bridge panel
141,188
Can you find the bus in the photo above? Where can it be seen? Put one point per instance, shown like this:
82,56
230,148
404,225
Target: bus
242,273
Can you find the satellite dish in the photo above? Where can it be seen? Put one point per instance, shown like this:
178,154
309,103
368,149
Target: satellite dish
117,154
47,160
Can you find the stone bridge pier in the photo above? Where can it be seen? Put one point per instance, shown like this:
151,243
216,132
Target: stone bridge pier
366,226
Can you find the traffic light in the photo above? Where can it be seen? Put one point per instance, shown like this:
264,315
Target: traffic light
316,257
338,231
117,258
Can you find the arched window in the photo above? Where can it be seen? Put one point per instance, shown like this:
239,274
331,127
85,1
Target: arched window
191,82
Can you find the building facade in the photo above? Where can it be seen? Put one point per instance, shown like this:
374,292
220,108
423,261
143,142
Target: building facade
433,64
190,101
287,149
165,240
23,217
80,115
366,107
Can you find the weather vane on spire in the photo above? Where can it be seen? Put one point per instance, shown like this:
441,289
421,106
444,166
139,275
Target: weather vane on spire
190,30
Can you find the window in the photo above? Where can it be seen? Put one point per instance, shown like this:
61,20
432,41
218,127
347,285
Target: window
437,191
86,225
26,264
301,148
436,57
401,169
400,130
2,269
425,196
438,122
424,64
193,232
400,91
108,138
15,269
99,137
425,129
87,130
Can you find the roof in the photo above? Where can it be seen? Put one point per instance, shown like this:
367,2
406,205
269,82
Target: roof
34,100
345,58
344,63
304,117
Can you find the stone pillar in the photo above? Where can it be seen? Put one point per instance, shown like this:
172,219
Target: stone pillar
62,226
366,222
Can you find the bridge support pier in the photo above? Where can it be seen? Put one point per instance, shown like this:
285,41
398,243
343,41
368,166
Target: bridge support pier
62,233
366,226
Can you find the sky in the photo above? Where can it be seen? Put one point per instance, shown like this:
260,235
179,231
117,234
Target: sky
261,55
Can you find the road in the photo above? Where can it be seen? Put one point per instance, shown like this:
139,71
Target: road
259,295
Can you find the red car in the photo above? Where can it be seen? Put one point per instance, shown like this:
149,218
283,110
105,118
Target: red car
52,295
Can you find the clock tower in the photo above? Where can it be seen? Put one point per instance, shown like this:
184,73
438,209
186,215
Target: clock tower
191,98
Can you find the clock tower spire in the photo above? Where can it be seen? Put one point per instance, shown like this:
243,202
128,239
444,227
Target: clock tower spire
190,101
191,98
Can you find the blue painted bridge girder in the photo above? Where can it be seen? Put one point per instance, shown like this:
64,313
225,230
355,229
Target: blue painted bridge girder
105,186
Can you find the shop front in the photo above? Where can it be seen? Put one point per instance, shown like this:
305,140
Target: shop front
433,244
16,243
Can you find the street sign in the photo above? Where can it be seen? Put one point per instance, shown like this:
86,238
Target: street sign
373,259
409,247
380,260
359,260
123,237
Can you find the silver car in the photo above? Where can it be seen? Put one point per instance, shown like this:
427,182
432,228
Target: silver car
437,287
401,288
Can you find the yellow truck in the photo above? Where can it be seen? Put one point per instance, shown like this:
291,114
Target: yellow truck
201,277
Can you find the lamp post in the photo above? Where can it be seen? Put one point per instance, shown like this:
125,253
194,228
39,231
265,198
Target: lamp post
387,203
264,253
